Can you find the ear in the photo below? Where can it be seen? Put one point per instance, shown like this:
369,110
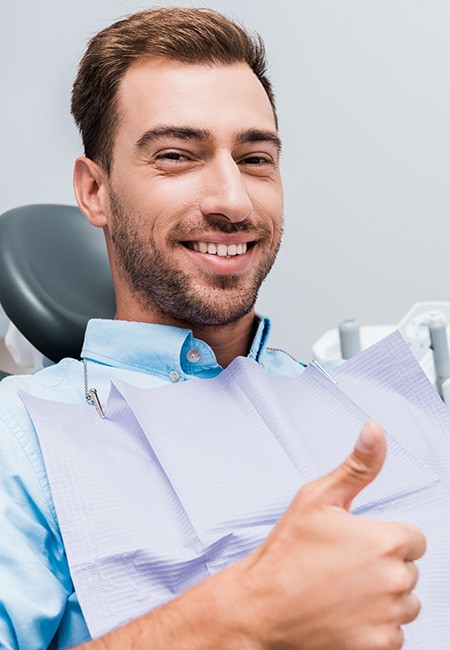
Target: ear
90,183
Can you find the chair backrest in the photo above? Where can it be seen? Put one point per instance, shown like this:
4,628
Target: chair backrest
54,276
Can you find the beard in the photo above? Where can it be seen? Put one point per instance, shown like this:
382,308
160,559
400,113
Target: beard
158,284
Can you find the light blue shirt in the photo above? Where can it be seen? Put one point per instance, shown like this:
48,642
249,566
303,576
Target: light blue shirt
38,606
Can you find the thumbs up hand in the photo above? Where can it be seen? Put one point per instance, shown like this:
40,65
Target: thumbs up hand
327,580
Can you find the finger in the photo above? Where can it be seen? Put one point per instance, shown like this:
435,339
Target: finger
414,543
410,608
340,487
384,638
413,572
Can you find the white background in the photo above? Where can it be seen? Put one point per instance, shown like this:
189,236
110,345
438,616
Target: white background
364,104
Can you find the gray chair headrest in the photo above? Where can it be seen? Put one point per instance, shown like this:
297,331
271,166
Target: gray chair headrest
54,276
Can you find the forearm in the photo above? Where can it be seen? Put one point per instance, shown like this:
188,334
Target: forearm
212,615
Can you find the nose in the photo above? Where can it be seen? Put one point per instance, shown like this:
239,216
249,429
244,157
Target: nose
223,191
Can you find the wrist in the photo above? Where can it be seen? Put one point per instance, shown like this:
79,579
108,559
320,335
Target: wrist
222,611
217,614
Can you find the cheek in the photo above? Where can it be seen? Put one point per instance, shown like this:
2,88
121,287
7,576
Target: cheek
177,196
157,204
268,205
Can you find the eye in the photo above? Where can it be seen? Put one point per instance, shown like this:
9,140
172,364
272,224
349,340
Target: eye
172,156
256,160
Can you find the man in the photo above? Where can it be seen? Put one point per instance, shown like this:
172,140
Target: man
181,170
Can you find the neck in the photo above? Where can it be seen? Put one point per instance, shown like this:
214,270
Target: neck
227,341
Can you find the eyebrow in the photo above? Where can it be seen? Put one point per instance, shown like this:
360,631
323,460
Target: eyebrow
178,132
258,135
203,135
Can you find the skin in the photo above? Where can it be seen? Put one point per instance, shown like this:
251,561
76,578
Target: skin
219,185
211,183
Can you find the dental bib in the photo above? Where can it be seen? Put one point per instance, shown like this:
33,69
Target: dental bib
182,480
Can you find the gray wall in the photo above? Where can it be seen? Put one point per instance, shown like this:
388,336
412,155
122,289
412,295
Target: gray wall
364,104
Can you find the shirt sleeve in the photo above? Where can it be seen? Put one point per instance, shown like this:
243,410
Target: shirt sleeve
35,582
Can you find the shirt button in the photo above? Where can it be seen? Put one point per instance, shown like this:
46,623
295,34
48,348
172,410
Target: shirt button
174,376
193,355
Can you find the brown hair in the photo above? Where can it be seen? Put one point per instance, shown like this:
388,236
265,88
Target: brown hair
186,35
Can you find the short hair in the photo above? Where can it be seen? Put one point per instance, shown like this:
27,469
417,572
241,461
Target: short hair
187,35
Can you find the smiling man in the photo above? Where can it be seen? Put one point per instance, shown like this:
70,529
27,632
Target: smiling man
192,203
181,170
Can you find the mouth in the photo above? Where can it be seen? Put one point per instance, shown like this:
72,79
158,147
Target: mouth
218,248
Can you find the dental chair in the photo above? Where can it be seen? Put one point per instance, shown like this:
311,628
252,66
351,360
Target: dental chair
54,276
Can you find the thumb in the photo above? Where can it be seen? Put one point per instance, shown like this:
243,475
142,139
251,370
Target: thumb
340,487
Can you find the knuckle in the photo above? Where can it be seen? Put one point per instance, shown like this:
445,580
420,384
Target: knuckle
307,495
412,608
414,573
388,639
356,469
400,580
391,543
411,535
307,491
404,540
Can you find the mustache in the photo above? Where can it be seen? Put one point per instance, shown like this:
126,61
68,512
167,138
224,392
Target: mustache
220,225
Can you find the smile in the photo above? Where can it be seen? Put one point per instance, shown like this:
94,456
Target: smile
222,250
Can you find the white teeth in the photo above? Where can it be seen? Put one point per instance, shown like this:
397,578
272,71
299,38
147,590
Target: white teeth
222,250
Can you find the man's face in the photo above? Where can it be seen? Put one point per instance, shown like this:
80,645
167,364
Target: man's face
195,190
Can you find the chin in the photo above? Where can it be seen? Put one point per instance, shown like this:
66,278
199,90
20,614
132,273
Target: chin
216,310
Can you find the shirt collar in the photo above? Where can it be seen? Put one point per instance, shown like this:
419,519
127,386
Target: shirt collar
161,350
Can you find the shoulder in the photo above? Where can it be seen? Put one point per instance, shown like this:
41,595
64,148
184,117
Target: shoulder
18,439
58,382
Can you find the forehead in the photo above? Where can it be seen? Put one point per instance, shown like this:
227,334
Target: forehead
223,99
